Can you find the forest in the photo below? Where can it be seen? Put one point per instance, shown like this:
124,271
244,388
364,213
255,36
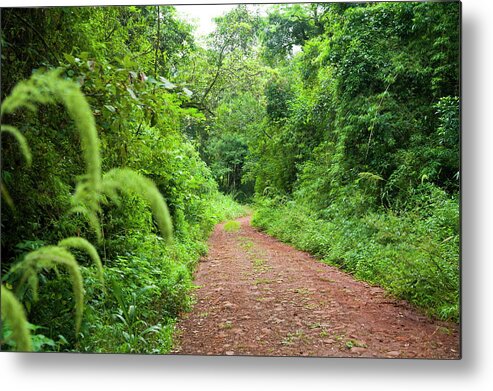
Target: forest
126,139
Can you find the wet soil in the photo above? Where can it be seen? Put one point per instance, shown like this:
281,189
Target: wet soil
258,296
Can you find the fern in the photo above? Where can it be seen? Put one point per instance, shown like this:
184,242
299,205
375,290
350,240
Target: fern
127,180
90,191
83,244
21,140
26,152
50,88
13,312
49,257
6,195
369,176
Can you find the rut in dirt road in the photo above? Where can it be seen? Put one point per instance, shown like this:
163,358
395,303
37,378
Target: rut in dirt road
258,296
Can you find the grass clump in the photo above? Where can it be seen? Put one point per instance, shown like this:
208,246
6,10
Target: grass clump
413,255
232,226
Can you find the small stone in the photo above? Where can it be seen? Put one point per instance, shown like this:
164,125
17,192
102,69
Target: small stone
229,353
357,349
393,353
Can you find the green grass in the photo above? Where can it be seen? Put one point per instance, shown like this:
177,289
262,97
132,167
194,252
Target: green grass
292,338
261,281
232,226
414,257
224,207
246,243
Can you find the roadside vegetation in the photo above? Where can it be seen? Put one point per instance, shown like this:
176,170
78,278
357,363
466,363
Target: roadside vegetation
125,140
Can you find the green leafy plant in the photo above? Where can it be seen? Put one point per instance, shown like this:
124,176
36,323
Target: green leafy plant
49,88
83,244
13,312
232,226
26,152
51,257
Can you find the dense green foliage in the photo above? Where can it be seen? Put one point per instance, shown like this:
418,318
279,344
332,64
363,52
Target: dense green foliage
348,140
340,122
362,164
412,255
139,116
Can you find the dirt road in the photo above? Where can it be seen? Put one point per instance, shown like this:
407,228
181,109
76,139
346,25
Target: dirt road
258,296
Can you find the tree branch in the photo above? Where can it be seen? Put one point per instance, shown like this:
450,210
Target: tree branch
218,71
198,106
157,42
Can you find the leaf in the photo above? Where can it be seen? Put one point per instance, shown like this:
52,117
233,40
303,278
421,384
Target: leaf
70,59
83,244
49,257
187,92
370,176
166,83
132,93
21,140
13,312
127,180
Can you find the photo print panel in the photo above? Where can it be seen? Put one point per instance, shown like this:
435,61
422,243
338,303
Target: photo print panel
236,179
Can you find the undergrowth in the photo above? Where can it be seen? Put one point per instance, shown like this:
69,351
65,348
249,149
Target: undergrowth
232,226
413,255
129,301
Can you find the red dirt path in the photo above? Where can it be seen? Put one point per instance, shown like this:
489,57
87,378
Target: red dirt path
258,296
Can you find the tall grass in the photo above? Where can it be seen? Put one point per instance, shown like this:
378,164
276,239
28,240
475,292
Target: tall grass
413,257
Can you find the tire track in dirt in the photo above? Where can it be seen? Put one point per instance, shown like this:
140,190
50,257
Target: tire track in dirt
258,296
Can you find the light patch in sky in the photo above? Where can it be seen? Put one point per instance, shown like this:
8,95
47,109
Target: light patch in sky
202,15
